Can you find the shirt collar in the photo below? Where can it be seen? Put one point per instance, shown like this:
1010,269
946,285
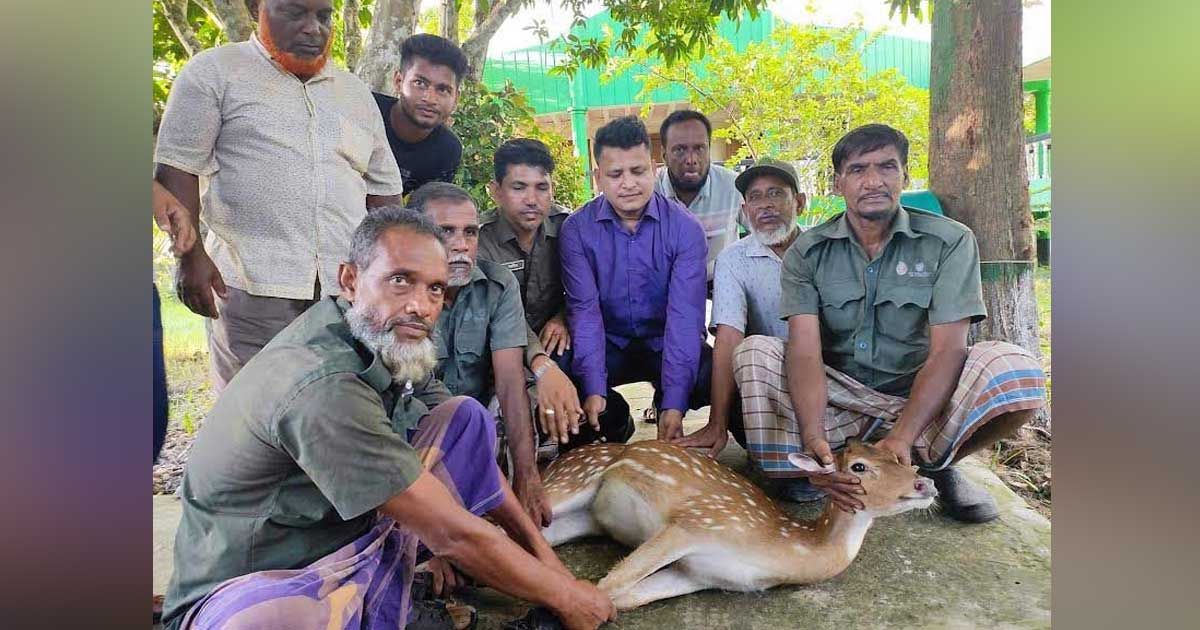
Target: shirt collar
756,249
505,232
607,213
901,224
669,188
324,73
377,375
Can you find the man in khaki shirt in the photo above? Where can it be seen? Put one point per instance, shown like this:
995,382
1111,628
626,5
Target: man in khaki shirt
878,302
289,152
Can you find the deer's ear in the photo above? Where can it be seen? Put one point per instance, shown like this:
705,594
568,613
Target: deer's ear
808,464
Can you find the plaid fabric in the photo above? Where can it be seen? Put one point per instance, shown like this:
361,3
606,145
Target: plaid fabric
366,584
997,378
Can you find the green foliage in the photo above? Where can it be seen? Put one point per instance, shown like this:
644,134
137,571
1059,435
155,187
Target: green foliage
671,30
485,119
794,95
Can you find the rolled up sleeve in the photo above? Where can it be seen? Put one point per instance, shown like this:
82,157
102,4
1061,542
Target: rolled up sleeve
957,290
383,175
729,296
798,293
336,430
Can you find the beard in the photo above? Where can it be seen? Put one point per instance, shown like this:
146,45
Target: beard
408,362
410,113
779,235
458,276
295,64
679,184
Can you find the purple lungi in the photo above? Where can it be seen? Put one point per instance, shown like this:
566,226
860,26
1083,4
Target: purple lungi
366,583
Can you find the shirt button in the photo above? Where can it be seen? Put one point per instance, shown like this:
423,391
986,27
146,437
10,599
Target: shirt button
862,345
870,270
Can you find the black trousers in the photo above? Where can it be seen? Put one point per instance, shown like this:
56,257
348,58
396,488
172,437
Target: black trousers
160,379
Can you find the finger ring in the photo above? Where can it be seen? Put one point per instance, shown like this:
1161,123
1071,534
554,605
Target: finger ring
548,412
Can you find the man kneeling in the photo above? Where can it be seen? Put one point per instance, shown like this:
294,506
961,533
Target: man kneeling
333,453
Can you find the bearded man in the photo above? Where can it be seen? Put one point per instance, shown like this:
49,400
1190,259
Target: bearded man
334,462
290,152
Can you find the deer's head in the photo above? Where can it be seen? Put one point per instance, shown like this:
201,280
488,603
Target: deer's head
891,487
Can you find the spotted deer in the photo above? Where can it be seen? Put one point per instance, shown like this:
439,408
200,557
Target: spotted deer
697,525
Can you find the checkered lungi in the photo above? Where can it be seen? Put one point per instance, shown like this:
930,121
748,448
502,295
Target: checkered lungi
997,378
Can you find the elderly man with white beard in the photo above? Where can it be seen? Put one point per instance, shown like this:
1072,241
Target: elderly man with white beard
746,293
334,462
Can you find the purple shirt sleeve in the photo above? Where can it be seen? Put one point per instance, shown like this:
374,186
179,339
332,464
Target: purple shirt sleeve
684,330
583,309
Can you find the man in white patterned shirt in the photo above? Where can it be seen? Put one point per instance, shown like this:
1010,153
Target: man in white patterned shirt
289,152
690,177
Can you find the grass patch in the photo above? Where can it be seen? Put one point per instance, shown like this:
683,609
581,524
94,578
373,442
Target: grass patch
185,349
183,331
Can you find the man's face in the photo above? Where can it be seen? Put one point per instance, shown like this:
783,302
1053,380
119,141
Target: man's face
871,183
428,92
685,151
459,222
396,299
524,196
626,177
771,207
296,33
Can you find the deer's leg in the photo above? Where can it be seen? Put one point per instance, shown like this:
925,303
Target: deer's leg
667,583
664,548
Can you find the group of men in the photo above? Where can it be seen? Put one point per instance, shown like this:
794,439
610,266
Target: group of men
376,356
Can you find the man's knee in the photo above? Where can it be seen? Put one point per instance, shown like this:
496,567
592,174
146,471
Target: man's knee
757,350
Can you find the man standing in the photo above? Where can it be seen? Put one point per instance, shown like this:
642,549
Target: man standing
291,154
522,235
878,301
334,453
481,336
690,177
427,82
633,271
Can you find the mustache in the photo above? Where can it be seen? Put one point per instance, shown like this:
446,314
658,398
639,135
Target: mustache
459,258
412,320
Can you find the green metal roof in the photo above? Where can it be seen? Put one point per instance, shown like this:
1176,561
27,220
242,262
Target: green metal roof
527,68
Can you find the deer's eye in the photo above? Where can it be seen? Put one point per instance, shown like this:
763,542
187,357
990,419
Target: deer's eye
858,467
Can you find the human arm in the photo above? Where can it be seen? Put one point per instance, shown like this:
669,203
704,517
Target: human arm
683,332
509,370
584,318
485,553
377,201
555,336
173,218
715,435
197,277
383,181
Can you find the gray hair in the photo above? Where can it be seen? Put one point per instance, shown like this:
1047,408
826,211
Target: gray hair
380,220
434,191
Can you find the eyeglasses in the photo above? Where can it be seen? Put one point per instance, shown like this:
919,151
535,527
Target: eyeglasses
774,194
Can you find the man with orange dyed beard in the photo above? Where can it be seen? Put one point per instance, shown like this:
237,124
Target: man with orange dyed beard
291,152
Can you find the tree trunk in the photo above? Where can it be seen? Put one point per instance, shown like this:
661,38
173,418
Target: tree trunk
351,32
976,158
475,48
393,22
175,11
450,20
235,15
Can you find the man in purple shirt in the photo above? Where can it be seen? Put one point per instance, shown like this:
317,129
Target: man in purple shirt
633,267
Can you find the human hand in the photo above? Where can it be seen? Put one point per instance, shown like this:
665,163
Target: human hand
899,446
446,578
842,487
558,404
670,424
713,438
172,218
593,406
195,281
527,485
585,607
555,337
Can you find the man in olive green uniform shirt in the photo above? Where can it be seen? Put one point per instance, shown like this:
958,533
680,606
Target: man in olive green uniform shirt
522,235
314,435
878,302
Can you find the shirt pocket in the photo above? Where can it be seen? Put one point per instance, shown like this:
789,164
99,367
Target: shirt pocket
902,311
355,145
841,306
470,339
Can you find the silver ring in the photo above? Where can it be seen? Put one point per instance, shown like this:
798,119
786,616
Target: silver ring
548,412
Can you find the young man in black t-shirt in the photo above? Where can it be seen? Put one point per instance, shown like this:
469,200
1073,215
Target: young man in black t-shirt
431,71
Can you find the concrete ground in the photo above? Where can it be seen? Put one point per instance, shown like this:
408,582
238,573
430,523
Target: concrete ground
914,570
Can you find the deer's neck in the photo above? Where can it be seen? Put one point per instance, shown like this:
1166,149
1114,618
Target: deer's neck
827,545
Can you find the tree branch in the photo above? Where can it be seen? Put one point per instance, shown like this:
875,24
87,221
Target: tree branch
393,21
175,11
450,20
727,108
239,25
475,48
351,31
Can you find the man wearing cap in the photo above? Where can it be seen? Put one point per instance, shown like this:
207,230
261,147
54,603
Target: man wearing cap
746,297
878,301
